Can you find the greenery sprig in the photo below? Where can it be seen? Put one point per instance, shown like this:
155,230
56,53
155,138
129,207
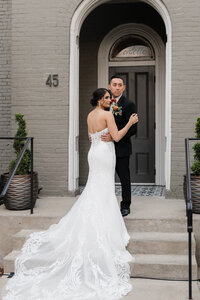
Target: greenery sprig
18,145
196,164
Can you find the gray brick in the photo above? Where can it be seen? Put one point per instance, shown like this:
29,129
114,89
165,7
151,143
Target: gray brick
5,84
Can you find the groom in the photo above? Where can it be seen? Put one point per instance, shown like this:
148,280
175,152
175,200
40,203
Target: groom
122,109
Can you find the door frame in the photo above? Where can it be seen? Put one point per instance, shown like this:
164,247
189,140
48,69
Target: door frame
159,63
80,14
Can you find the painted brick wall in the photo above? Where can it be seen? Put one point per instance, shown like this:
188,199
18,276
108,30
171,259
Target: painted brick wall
5,75
185,83
40,46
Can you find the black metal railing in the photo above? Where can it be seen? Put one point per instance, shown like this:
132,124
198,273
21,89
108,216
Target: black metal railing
28,140
189,212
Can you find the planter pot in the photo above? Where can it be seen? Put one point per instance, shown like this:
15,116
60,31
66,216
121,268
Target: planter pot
18,195
195,192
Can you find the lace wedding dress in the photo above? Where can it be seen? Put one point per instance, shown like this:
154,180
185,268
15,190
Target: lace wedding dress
84,255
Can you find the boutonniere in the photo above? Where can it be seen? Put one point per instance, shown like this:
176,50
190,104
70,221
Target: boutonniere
117,110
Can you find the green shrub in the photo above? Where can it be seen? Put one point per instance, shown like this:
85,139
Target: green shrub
196,149
196,164
197,128
24,166
196,168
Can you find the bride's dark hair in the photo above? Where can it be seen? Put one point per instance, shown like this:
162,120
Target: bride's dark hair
97,95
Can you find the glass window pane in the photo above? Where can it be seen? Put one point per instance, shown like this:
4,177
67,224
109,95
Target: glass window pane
135,51
131,47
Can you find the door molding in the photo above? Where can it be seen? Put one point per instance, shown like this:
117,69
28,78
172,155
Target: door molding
159,48
80,14
132,63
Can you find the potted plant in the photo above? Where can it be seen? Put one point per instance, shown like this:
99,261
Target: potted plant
195,173
18,196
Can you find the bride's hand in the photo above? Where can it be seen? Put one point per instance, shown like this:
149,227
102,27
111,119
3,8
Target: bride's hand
133,119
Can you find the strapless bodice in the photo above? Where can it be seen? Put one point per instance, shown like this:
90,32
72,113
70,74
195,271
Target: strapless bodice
97,135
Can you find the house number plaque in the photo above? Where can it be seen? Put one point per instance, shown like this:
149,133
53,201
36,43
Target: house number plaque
52,80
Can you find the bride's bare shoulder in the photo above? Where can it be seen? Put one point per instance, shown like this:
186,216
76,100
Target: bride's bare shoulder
107,113
102,114
90,114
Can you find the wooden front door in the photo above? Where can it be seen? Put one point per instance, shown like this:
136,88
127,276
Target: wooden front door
140,88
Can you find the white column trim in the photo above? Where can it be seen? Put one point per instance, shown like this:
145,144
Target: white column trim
82,11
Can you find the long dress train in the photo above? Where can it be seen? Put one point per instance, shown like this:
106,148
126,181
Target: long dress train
84,256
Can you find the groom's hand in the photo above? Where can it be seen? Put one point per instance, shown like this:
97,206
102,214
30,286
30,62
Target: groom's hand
106,137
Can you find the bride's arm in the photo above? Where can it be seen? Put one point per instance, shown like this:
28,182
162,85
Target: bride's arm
112,127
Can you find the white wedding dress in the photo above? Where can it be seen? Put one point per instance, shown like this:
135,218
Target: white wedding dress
84,256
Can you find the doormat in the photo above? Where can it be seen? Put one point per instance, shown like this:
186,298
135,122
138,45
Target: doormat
144,190
139,190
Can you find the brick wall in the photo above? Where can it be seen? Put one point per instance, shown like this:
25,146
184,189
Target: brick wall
5,75
40,46
185,83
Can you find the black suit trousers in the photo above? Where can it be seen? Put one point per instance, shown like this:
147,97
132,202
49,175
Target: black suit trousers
123,171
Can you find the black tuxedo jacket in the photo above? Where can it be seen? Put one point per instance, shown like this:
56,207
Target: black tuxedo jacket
123,148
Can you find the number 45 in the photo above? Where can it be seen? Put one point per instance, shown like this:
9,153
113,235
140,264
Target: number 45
52,79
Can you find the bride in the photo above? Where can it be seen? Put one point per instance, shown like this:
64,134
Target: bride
84,256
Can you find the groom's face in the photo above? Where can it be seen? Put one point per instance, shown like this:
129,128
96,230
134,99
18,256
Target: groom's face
117,87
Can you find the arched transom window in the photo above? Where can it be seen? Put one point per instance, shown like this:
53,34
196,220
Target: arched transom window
131,47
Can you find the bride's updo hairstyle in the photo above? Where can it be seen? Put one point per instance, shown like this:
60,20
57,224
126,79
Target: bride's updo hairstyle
97,95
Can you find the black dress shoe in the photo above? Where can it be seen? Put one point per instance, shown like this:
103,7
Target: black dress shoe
125,211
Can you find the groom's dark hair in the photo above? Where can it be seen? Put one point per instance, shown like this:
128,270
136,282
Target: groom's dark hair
116,76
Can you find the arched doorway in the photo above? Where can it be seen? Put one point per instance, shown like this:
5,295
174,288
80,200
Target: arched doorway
80,15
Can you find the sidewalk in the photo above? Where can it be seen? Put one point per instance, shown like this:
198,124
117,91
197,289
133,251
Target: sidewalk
146,289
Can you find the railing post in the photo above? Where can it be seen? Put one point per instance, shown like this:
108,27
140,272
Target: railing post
190,249
189,216
32,175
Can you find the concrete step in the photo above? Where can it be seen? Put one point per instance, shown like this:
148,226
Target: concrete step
9,261
156,224
20,237
159,243
145,265
145,289
163,266
3,281
140,242
45,216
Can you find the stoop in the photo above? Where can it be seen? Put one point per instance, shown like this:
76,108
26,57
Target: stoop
158,237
